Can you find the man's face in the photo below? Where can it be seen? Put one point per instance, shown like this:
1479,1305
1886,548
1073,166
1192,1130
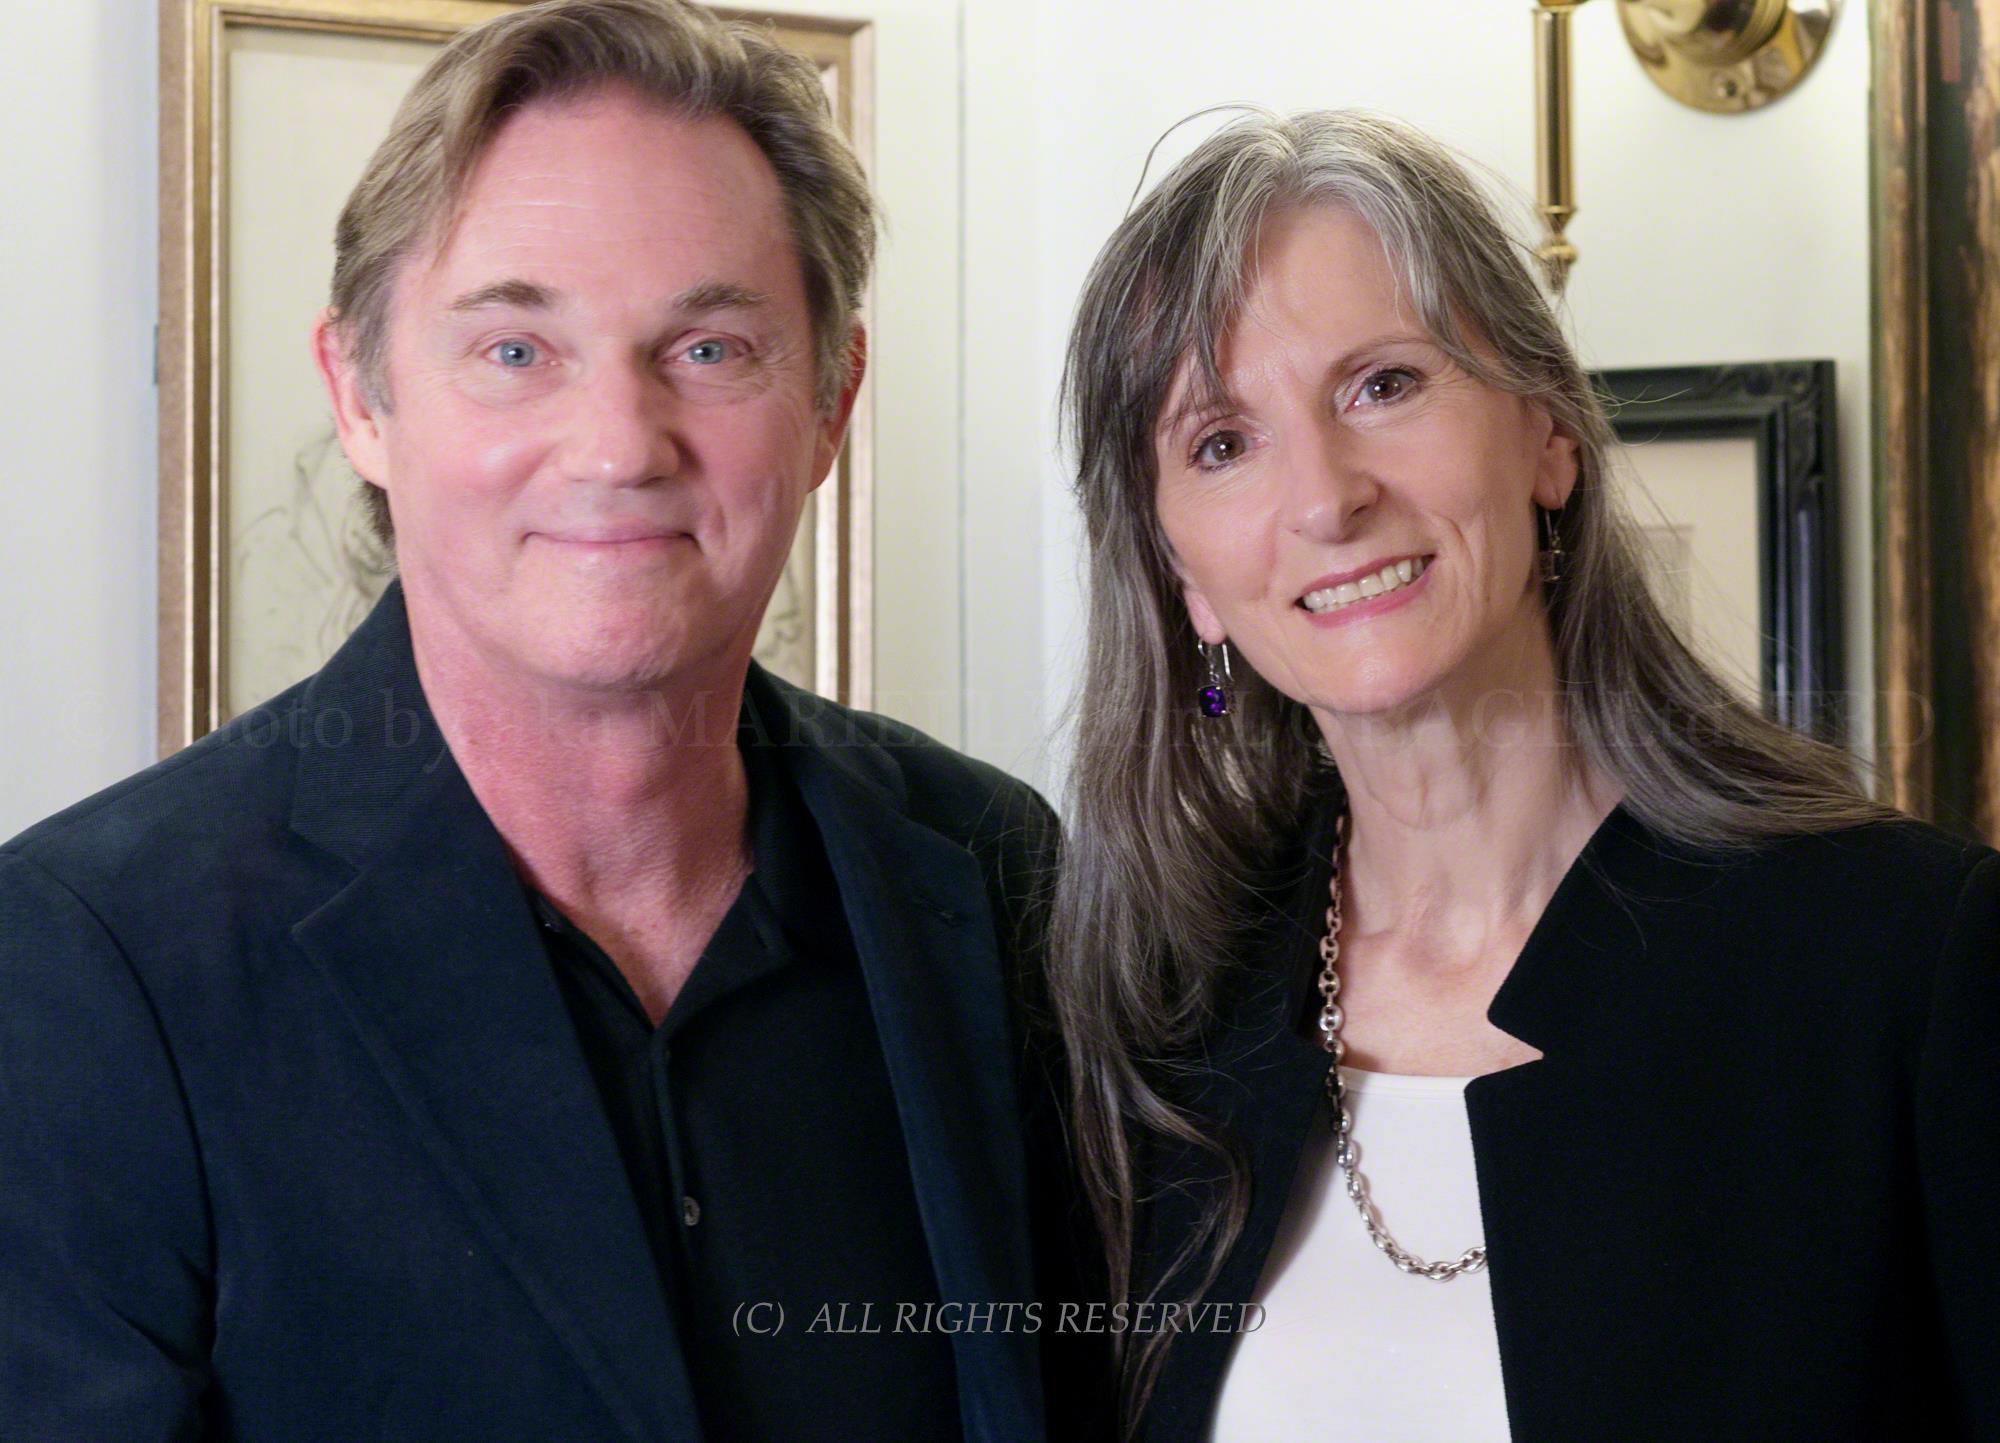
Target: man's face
601,428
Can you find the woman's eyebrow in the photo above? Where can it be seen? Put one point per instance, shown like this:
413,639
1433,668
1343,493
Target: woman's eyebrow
1379,343
1203,402
1191,406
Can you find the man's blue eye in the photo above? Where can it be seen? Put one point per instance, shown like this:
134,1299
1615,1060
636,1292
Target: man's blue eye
708,353
515,354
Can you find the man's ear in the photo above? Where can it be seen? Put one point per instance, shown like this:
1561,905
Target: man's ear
833,425
355,419
1556,468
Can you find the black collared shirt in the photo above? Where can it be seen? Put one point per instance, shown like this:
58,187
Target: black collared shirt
758,1129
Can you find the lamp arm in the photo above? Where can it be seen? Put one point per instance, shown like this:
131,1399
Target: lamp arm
1555,172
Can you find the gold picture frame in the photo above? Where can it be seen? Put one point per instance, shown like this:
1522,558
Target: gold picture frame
1936,303
1899,35
202,43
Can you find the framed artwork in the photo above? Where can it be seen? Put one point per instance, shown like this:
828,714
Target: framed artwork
270,110
1739,481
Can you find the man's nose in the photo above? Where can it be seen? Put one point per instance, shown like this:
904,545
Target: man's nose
1329,484
624,425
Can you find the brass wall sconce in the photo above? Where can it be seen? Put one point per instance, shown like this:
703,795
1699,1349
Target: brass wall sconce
1723,56
1726,55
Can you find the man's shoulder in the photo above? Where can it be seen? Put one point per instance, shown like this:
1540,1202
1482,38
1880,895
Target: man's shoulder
228,791
961,797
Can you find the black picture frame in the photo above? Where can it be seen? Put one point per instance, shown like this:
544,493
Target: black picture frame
1787,408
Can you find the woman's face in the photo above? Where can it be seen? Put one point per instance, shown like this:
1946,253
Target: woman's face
1357,516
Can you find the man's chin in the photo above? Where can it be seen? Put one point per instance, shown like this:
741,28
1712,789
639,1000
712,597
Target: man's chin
609,645
634,655
616,671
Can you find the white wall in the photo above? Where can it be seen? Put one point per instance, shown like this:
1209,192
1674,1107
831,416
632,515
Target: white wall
1008,137
77,487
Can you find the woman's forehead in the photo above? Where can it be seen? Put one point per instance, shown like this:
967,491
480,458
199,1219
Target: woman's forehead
1314,275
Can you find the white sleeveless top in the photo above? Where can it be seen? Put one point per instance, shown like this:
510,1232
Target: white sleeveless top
1352,1348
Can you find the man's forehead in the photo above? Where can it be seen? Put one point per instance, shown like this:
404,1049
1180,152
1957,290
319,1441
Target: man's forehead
690,210
618,142
613,150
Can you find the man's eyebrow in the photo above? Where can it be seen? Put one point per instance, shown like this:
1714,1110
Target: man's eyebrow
521,295
516,294
717,296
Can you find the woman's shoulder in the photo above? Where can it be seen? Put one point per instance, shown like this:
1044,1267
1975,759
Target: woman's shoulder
1784,958
1912,858
1901,851
1896,886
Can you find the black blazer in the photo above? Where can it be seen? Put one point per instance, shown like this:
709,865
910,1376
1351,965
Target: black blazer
1752,1189
296,1140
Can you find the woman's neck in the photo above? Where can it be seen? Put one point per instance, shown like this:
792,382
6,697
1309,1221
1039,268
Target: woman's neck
1467,807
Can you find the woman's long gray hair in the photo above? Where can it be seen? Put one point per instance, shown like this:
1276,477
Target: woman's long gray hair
1172,815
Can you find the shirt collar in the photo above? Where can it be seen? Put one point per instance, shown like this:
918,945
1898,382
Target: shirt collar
785,902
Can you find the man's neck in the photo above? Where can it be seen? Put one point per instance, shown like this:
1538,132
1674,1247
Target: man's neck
612,802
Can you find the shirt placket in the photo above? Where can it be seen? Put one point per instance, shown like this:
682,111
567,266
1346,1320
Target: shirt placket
682,1193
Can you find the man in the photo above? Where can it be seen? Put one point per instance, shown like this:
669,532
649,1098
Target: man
542,1024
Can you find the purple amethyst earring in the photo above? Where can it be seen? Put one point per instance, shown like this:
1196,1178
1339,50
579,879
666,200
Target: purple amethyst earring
1215,697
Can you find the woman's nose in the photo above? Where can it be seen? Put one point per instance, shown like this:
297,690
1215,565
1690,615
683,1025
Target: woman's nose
1329,486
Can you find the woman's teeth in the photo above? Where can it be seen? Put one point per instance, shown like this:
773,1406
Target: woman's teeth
1393,577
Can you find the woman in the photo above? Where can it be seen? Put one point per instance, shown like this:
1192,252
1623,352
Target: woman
1671,1062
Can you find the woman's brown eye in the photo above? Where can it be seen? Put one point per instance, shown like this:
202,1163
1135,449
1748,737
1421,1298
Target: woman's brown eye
1220,448
1387,385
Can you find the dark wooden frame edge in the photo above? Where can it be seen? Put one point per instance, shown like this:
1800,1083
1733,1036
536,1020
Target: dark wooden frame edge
1788,409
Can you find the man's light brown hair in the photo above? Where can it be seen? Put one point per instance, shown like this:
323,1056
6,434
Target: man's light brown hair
683,58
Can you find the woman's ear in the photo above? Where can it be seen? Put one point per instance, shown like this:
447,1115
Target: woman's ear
1556,466
1207,625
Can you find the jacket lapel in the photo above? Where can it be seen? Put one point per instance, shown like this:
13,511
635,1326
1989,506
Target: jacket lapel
1536,1127
925,933
433,949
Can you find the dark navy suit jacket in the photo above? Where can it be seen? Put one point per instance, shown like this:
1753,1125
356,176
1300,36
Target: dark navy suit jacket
296,1140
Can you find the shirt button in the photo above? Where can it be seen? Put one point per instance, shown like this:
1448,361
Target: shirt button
690,1211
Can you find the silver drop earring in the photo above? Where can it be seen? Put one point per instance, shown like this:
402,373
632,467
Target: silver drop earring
1217,695
1552,548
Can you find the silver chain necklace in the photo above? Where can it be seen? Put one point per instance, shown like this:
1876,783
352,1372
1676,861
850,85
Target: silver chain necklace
1330,1018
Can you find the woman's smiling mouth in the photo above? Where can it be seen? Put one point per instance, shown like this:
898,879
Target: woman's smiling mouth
1393,577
